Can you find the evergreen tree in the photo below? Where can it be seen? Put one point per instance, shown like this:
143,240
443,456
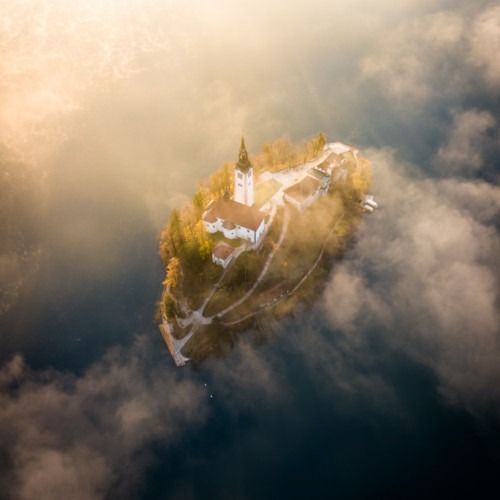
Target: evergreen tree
173,273
199,201
317,143
175,237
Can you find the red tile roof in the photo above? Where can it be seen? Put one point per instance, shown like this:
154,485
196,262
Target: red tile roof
222,250
210,217
303,189
234,212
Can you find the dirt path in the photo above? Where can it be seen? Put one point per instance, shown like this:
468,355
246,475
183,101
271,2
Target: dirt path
196,318
297,286
284,229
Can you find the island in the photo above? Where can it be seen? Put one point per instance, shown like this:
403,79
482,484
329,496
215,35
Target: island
260,236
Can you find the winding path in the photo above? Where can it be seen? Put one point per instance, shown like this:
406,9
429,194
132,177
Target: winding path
284,229
196,318
297,286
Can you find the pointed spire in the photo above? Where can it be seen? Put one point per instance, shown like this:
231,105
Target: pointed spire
243,161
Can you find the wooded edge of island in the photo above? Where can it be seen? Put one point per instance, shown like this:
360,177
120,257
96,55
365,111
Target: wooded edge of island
242,255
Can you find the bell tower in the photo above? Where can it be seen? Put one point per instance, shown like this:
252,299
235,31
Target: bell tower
243,177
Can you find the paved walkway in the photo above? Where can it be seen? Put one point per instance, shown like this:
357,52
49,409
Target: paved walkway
296,287
196,318
284,229
174,346
236,254
292,175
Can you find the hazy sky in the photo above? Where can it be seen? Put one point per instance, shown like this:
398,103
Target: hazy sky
114,109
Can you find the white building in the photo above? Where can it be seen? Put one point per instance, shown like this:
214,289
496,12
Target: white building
222,254
341,149
243,178
237,218
234,219
303,193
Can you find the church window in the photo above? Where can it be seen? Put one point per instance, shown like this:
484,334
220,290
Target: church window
240,175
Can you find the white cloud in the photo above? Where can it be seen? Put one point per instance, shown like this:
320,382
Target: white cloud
434,273
425,271
484,42
418,60
348,295
429,57
70,437
463,150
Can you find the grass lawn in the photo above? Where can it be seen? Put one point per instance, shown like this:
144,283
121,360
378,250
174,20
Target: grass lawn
240,277
196,286
265,191
216,237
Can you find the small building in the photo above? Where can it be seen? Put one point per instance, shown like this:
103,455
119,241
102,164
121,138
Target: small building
303,193
234,220
332,161
321,176
222,254
341,149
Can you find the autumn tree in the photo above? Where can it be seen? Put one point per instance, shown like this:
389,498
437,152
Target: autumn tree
171,308
317,143
220,181
173,273
282,153
199,201
174,232
350,161
303,151
362,177
172,239
279,154
204,246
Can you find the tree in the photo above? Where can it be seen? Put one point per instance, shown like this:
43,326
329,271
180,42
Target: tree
317,143
171,306
279,154
199,201
220,181
173,273
175,238
204,245
303,151
267,151
362,178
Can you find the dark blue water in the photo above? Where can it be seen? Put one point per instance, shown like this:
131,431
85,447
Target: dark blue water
310,439
313,441
307,438
305,415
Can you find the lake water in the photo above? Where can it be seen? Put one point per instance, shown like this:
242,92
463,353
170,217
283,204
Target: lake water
281,420
386,386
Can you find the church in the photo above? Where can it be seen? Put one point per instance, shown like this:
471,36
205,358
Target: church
237,218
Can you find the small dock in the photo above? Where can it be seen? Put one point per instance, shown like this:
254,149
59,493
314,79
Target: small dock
166,333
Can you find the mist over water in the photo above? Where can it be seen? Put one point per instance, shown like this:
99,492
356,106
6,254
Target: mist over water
110,114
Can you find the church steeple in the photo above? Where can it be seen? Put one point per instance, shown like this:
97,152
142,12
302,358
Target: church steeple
243,177
243,161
